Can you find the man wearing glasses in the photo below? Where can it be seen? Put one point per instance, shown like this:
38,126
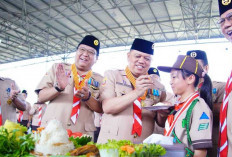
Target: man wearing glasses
225,127
73,90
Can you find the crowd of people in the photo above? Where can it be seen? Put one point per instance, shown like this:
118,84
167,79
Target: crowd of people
111,107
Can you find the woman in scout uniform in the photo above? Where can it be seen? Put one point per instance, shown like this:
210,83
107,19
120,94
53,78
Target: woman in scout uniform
225,132
125,92
37,111
191,121
73,90
218,92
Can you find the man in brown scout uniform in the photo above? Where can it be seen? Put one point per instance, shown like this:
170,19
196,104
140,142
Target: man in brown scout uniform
225,127
218,92
24,117
10,99
73,90
125,92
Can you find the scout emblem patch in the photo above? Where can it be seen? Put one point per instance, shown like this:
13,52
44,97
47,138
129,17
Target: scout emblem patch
95,42
226,2
214,90
9,101
8,91
153,46
193,54
155,70
203,126
204,116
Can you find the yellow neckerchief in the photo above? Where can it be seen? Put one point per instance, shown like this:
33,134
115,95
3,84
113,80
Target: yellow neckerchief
132,80
79,85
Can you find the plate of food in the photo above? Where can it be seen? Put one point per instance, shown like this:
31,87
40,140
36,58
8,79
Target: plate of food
158,106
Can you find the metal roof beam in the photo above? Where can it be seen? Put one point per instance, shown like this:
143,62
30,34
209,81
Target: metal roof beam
158,22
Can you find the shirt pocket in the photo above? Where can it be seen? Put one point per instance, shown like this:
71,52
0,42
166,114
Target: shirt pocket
110,126
121,90
89,127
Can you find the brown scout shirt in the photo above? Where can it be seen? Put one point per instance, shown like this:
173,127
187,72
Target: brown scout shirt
60,108
34,112
8,110
119,126
201,123
218,93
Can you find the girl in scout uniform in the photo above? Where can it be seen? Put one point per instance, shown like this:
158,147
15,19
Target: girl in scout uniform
218,93
191,120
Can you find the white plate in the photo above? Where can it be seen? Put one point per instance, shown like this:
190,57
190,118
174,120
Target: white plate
154,108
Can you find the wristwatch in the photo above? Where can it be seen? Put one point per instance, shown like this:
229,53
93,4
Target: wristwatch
58,89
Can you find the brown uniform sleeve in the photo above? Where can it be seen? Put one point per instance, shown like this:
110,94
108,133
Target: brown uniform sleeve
28,108
32,110
201,126
218,91
107,89
16,87
47,80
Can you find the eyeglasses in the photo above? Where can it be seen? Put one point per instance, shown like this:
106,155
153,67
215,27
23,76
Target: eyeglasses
82,50
228,17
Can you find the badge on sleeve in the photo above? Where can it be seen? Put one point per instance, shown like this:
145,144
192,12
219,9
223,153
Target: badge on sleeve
203,126
214,90
8,91
204,116
104,81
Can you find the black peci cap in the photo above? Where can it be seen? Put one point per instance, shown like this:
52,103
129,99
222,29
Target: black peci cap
153,71
224,5
24,91
198,54
143,46
91,41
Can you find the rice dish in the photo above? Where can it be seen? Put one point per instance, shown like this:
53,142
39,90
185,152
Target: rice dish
54,140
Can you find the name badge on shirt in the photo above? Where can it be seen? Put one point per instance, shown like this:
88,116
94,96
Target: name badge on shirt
123,83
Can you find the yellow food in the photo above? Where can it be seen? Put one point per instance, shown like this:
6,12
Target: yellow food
10,126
